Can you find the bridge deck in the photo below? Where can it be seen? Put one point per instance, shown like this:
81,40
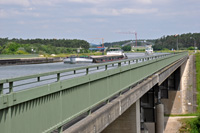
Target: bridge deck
49,100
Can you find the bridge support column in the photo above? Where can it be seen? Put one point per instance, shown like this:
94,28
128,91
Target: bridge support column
159,118
128,122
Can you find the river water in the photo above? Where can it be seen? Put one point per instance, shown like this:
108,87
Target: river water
22,70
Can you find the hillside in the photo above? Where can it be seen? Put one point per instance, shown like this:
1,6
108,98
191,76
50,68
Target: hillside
128,42
184,41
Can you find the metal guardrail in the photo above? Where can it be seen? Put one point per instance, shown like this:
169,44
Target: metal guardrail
9,83
65,94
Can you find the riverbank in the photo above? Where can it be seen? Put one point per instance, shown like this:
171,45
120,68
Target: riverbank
36,60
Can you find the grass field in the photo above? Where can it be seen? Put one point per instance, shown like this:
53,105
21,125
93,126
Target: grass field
198,80
192,125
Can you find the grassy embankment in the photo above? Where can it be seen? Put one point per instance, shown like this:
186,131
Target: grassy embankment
192,125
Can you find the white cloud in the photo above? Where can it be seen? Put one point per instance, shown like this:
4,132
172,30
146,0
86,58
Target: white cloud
96,1
145,1
170,14
44,2
138,11
123,11
15,2
106,12
27,3
16,13
153,2
85,1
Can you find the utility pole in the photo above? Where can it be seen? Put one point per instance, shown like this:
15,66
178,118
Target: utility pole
194,44
176,42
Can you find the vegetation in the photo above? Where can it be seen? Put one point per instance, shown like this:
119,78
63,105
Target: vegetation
198,80
41,46
184,41
193,125
127,48
170,115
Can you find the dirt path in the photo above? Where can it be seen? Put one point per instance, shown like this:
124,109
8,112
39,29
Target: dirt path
173,123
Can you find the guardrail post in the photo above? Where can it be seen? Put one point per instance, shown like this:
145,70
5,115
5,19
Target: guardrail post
119,64
106,67
60,129
89,112
58,76
38,79
129,62
10,87
113,64
87,70
74,71
108,101
97,67
1,88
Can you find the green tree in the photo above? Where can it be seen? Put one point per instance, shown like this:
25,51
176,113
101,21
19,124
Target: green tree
11,48
127,48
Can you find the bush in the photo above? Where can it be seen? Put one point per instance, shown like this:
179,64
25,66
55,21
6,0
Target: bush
126,48
140,49
21,52
166,49
190,48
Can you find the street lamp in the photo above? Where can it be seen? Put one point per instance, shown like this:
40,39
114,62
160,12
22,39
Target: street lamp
194,44
176,41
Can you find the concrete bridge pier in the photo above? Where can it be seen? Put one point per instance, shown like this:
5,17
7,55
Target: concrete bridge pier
159,128
128,122
160,118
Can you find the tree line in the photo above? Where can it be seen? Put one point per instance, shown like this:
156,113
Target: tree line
184,41
41,46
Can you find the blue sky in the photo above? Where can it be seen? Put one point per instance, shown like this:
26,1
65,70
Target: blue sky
85,19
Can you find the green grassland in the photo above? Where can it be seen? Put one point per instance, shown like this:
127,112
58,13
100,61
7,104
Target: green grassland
192,125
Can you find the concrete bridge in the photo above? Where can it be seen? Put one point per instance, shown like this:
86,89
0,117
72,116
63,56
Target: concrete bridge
123,96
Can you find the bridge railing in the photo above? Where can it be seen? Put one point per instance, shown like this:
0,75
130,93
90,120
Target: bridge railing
44,102
8,85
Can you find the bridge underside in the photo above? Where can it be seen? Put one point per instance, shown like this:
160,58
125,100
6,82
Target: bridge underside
152,90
